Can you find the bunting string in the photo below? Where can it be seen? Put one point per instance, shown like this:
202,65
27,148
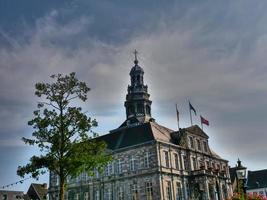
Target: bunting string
15,183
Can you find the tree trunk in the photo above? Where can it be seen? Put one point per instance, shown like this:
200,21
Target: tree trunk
61,189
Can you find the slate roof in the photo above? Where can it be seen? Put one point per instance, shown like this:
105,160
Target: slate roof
37,191
136,68
126,136
257,179
138,134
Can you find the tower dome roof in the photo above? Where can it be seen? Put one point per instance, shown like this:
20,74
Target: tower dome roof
136,69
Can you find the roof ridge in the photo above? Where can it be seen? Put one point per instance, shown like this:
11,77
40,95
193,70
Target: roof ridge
157,126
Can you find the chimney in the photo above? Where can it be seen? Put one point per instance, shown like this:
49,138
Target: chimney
44,185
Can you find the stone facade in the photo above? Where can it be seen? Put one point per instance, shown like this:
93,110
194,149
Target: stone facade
152,162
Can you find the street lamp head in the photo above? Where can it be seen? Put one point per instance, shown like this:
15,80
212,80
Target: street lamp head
240,171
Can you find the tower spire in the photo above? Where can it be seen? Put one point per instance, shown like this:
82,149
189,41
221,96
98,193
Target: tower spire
135,57
137,104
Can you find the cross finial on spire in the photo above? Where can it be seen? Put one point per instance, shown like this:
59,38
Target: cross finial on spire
135,57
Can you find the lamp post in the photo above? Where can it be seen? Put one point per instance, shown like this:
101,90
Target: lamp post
241,173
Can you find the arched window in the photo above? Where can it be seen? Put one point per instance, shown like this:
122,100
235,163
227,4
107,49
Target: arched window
148,109
131,110
140,108
138,79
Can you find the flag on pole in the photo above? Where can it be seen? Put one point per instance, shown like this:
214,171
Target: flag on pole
177,113
192,108
204,121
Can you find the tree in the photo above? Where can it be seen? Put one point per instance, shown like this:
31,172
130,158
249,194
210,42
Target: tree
61,133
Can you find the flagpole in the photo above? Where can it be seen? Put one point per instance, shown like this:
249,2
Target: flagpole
201,125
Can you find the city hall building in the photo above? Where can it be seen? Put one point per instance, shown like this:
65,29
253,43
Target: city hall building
150,161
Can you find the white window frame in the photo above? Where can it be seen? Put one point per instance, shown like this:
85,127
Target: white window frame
86,196
149,190
176,161
168,191
132,163
97,195
120,193
119,166
179,191
146,159
77,196
191,142
193,163
108,194
167,159
134,191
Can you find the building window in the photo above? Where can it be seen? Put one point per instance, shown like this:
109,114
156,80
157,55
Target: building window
109,169
120,193
191,142
97,195
146,160
86,196
96,173
140,108
224,192
148,110
198,145
57,180
179,194
134,191
108,194
84,176
131,110
168,191
205,146
167,161
176,161
133,163
76,197
4,197
194,163
211,191
119,166
207,164
138,79
185,162
149,191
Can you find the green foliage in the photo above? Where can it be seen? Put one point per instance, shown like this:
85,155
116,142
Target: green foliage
240,196
61,131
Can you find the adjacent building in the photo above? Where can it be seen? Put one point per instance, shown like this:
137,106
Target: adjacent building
152,162
257,182
11,195
36,191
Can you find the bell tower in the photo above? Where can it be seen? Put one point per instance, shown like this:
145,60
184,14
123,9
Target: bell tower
137,102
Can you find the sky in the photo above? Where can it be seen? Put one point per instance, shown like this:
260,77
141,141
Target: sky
212,53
